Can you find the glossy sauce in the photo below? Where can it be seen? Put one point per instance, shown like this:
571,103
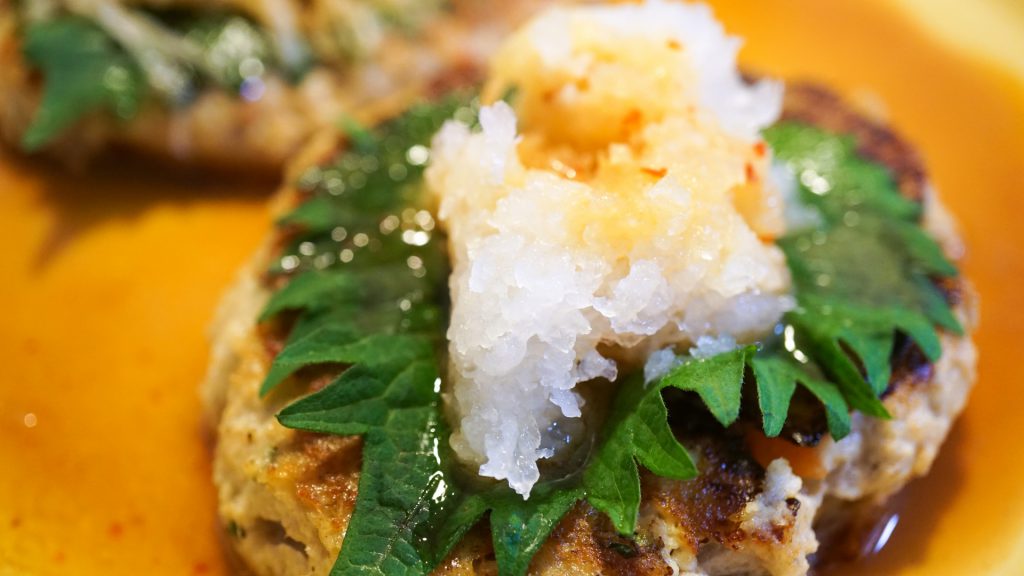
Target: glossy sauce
109,282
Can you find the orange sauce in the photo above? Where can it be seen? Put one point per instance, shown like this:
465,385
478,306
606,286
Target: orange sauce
108,283
110,279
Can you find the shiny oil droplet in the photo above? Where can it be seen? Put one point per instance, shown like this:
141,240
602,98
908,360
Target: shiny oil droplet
390,224
880,537
30,420
417,155
290,262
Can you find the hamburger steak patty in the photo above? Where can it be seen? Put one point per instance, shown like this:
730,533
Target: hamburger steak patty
759,506
221,130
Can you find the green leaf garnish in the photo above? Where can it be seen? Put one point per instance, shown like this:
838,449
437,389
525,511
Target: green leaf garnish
89,68
717,380
376,305
833,177
776,381
368,293
637,431
518,527
866,274
84,72
233,49
394,406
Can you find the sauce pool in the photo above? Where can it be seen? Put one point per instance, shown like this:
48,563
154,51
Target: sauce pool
110,279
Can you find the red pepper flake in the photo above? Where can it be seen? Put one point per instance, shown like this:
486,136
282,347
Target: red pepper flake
759,149
201,568
59,558
548,96
633,119
674,45
751,173
15,522
116,530
656,172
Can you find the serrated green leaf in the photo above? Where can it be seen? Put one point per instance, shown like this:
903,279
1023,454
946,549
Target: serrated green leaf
837,412
317,215
718,380
864,276
922,251
84,72
383,285
365,397
336,344
818,336
233,49
380,313
394,405
454,513
637,430
309,291
777,379
833,177
774,393
936,308
519,528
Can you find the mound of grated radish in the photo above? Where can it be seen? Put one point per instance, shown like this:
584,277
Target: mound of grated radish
622,206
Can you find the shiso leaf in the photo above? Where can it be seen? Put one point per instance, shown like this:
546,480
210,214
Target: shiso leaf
833,177
718,380
228,44
777,378
519,528
775,388
342,345
395,406
380,315
637,430
867,274
311,291
84,71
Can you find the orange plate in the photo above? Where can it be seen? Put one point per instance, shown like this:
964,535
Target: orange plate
109,280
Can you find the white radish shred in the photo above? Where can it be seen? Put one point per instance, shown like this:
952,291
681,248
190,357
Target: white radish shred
630,211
